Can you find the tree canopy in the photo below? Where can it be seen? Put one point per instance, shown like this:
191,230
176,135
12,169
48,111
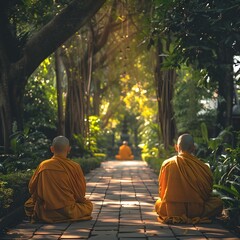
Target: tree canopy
26,41
102,64
206,35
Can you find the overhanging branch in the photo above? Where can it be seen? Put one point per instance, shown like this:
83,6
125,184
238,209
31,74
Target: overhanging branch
55,33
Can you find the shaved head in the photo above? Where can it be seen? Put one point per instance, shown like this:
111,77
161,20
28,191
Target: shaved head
60,143
185,143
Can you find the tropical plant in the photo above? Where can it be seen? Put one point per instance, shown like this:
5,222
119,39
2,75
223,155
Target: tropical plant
229,183
94,134
215,147
6,194
224,160
27,149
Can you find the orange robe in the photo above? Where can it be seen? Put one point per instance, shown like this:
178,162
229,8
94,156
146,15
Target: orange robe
185,191
125,153
57,191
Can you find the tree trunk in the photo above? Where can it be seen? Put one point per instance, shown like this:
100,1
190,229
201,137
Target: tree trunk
75,101
5,107
224,75
5,114
165,80
59,80
96,97
88,82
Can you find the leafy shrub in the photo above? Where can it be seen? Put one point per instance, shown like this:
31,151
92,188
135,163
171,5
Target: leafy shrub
228,182
14,191
100,156
88,164
155,156
99,139
154,162
94,133
6,197
224,161
78,147
26,151
150,139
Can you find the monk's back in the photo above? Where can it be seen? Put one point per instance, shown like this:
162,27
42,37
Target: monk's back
185,186
56,183
182,180
125,151
58,188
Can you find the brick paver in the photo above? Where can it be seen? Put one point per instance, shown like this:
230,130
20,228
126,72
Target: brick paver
123,194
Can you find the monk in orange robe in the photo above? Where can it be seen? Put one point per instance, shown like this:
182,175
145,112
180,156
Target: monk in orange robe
185,188
58,188
125,152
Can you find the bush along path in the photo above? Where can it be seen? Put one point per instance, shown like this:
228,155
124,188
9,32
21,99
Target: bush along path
123,194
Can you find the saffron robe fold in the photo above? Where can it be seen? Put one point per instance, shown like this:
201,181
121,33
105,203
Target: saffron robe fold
57,190
125,153
185,191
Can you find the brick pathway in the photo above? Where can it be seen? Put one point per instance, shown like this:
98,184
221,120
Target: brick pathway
123,193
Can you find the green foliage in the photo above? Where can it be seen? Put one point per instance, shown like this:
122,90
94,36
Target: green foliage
5,197
149,135
154,162
40,100
228,184
152,152
189,111
204,131
100,156
204,35
229,166
14,191
30,15
97,142
88,164
216,147
230,194
224,161
78,147
26,151
94,134
200,28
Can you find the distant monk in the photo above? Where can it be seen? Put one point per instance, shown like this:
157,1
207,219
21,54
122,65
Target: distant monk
185,188
58,188
125,152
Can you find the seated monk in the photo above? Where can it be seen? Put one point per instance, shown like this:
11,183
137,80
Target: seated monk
58,188
185,188
125,152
